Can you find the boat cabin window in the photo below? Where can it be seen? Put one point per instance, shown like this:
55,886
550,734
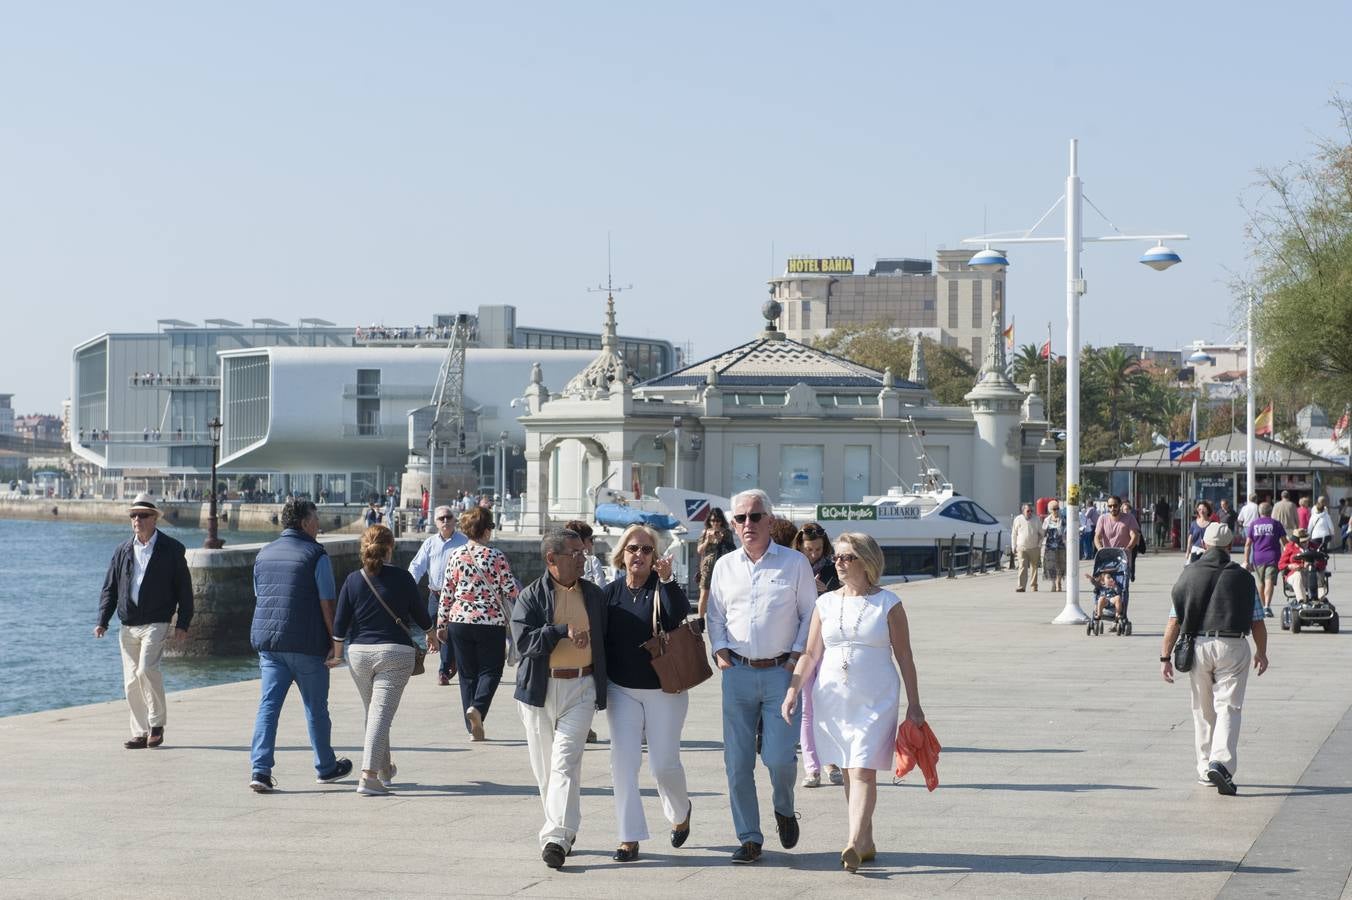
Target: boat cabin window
967,511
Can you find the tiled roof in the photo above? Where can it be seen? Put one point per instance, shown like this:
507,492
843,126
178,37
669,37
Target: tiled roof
777,362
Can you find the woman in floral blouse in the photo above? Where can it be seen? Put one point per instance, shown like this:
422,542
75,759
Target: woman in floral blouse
475,609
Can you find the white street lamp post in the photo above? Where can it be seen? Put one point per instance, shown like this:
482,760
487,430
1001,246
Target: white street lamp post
1250,442
1159,258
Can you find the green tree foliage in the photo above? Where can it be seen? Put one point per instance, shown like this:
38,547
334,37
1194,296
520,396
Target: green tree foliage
1300,229
951,374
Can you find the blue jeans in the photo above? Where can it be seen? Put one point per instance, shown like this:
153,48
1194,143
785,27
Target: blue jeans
312,678
1087,545
751,695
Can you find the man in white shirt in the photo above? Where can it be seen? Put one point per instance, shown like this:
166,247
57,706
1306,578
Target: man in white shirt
431,560
1026,539
761,598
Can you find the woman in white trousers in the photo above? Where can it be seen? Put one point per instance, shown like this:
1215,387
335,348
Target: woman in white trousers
636,706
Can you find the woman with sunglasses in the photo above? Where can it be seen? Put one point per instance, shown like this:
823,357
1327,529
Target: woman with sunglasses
855,634
636,706
713,543
813,543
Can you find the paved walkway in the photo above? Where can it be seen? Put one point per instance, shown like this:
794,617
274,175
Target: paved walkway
1067,772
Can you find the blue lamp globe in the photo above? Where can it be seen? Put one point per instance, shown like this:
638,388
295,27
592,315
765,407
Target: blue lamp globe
1160,258
989,259
1200,357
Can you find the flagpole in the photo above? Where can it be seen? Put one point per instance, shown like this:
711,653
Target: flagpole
1049,374
1250,440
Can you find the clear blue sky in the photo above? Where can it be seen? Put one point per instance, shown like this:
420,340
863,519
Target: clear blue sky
384,161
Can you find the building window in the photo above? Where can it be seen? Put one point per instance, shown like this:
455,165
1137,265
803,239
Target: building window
800,473
807,315
368,402
245,394
952,306
976,352
857,465
977,316
745,467
1026,490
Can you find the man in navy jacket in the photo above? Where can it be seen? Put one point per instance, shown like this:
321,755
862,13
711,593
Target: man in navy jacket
147,583
292,631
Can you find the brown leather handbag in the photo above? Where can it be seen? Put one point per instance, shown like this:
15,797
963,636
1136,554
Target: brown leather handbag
679,657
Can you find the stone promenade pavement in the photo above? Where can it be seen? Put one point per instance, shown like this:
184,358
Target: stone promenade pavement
1067,772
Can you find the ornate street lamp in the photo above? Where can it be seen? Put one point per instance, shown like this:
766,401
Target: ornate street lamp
1158,258
213,542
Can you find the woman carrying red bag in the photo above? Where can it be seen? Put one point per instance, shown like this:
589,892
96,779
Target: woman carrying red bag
855,635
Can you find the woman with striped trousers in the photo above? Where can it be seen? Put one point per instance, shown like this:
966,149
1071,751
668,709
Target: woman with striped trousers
380,651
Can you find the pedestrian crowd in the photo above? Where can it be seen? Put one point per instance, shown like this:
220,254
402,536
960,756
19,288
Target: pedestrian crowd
810,651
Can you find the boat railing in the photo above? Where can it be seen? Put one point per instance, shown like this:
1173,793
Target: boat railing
961,554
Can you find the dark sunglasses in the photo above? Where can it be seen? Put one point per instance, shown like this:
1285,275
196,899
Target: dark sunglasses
845,557
444,518
741,518
638,548
142,515
813,531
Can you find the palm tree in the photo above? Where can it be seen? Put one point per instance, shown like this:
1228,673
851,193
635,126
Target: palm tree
1116,370
1026,363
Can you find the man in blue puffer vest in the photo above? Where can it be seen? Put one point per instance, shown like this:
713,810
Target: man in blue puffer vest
293,632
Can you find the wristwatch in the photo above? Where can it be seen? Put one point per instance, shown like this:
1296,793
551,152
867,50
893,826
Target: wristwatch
1164,659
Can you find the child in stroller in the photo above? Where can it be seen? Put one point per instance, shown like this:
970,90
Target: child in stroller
1110,582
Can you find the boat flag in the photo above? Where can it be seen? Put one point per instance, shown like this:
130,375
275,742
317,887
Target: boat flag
1262,423
1046,351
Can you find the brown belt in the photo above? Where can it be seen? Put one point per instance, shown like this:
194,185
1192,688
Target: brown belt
760,663
570,673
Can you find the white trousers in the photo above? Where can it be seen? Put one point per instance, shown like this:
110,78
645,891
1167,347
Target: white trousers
1297,581
1219,675
632,713
142,647
556,735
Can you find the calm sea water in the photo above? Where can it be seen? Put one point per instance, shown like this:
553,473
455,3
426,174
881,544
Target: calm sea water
50,577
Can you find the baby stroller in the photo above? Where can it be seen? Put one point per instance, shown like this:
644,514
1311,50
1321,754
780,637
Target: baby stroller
1317,608
1115,563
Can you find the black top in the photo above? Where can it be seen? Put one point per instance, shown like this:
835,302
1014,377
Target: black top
361,619
629,623
825,569
166,586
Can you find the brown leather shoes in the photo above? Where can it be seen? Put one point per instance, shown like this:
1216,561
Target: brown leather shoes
156,736
136,743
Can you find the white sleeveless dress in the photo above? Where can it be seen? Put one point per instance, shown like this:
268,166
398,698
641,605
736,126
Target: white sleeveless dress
855,708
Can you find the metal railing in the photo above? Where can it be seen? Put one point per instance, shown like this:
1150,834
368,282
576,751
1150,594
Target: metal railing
970,558
157,381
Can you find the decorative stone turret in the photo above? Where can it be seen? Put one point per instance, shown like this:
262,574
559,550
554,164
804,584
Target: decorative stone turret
1034,409
607,370
996,408
889,398
919,373
713,394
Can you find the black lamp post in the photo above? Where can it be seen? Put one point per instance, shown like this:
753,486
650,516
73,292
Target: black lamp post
213,542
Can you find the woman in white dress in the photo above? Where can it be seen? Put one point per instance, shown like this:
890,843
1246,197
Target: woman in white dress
855,635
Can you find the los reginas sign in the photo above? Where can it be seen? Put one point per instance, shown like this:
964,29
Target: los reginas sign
822,265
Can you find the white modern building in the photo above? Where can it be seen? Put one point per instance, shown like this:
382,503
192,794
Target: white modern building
336,420
804,425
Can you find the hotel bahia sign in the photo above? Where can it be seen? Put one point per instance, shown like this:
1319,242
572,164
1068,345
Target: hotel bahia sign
821,265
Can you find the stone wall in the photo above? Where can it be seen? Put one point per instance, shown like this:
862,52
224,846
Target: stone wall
223,596
233,516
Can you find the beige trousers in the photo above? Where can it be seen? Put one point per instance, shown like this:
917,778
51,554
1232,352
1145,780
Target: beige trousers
142,647
1028,562
1219,676
556,735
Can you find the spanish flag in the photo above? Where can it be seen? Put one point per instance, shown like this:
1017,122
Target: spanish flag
1009,336
1262,423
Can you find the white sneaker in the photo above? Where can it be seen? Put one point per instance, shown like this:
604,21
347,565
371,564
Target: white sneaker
372,787
814,779
387,776
836,776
